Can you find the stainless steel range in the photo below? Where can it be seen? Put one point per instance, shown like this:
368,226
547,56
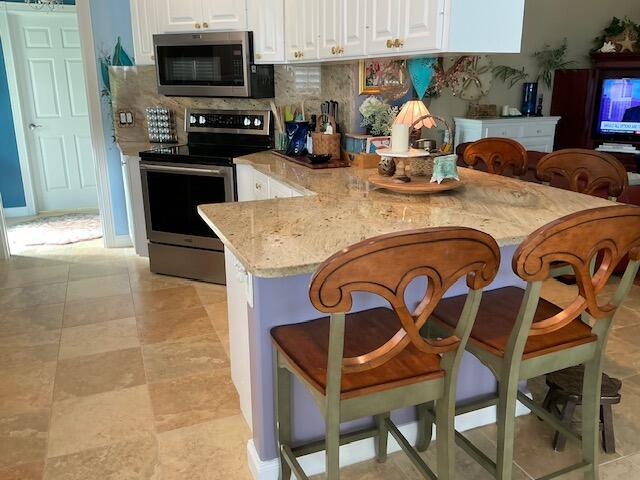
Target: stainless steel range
176,179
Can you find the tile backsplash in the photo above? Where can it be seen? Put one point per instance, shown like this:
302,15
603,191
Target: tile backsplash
134,89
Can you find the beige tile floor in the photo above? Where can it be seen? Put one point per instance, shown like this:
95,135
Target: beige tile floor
110,372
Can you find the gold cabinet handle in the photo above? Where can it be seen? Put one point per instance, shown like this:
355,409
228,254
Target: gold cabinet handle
258,56
334,50
300,54
295,54
341,50
205,25
198,26
258,186
398,43
389,43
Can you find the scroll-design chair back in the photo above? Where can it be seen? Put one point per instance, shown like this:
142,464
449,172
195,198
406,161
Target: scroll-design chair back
372,362
499,155
585,171
519,335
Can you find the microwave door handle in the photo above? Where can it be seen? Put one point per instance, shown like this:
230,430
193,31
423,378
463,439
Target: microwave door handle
167,168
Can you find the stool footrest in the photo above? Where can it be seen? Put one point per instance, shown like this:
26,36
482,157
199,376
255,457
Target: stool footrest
578,467
548,417
309,448
413,455
475,453
291,459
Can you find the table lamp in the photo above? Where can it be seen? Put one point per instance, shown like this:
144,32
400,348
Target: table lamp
412,111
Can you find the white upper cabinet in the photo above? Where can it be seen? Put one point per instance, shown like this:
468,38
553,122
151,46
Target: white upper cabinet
207,15
145,24
383,26
301,27
342,28
266,20
224,15
421,27
180,15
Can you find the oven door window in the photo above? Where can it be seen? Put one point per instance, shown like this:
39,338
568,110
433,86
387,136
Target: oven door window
174,199
203,65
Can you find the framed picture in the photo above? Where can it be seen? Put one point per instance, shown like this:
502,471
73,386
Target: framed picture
379,72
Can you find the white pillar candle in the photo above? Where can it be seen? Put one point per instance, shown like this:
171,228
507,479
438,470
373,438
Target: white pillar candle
400,137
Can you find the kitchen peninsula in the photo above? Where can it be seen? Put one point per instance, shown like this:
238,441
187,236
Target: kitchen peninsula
274,245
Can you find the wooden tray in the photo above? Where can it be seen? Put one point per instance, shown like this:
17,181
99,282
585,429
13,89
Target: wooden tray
304,161
417,185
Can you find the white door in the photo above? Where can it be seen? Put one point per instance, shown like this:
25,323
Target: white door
179,15
266,20
421,26
50,70
384,25
353,18
224,15
330,16
144,20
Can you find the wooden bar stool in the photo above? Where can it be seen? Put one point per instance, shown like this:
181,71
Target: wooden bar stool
519,335
565,394
584,171
499,156
372,362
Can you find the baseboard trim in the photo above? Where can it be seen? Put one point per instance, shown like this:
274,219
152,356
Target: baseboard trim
119,241
364,450
14,212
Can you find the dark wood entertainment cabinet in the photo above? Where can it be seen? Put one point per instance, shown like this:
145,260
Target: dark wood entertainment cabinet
575,93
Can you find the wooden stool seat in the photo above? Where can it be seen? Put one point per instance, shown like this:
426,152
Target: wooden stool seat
306,346
565,394
496,318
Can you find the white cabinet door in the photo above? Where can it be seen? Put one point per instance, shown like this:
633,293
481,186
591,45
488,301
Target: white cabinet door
383,26
421,25
180,15
224,15
331,22
301,25
144,20
353,20
266,20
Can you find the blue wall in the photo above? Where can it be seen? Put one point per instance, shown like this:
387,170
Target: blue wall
112,19
10,176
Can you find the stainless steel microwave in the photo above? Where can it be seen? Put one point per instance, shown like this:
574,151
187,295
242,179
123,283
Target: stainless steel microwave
212,64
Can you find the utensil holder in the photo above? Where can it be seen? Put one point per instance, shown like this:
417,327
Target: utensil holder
326,143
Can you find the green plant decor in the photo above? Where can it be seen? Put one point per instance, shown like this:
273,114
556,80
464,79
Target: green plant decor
377,116
548,59
616,27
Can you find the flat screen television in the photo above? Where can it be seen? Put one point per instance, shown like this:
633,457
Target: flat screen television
619,113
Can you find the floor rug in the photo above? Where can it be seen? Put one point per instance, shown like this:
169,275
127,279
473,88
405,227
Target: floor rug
56,230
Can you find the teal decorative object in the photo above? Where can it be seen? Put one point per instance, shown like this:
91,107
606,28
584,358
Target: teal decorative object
421,72
120,58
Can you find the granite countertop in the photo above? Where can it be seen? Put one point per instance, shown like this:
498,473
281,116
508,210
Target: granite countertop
290,236
133,148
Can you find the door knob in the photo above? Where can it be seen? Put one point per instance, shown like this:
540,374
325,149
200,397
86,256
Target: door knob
33,126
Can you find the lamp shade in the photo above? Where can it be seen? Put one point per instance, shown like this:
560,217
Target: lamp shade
413,110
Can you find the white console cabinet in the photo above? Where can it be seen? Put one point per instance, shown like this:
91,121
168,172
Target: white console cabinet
534,133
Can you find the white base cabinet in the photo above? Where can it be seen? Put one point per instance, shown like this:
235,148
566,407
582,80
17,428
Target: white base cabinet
534,133
135,204
254,185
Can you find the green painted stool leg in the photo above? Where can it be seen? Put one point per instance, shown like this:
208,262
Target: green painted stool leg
332,435
425,427
508,391
591,416
445,443
283,413
381,439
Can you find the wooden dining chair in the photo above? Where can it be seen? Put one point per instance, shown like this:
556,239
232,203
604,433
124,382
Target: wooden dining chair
519,335
499,155
375,361
584,171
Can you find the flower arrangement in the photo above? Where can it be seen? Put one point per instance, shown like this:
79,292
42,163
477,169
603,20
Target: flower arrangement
377,116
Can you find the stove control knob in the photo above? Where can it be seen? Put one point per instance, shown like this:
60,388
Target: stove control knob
257,122
193,120
202,120
247,122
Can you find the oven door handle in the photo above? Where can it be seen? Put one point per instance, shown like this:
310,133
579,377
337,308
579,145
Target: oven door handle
168,168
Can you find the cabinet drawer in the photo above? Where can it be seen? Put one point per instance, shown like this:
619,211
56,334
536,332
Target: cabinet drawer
540,144
538,130
505,131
